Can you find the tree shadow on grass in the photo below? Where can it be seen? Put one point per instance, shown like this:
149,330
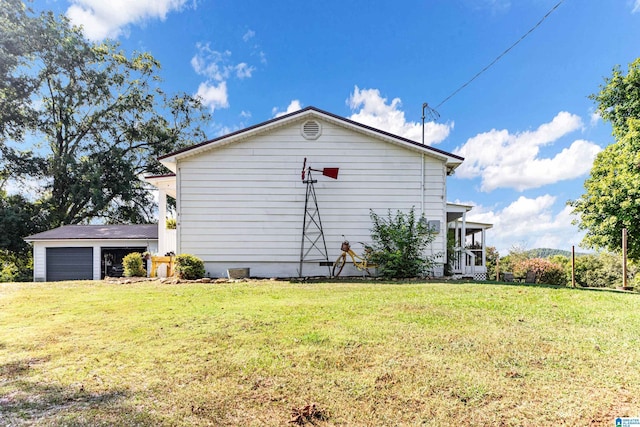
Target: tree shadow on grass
24,401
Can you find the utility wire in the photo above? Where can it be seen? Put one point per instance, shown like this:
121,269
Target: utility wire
502,54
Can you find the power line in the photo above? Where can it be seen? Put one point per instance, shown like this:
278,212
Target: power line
502,54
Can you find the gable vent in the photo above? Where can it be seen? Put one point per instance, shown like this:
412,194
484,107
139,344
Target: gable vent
311,129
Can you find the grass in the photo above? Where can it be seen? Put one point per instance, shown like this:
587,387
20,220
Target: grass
366,354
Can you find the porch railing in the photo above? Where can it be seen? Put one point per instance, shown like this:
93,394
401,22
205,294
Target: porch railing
464,262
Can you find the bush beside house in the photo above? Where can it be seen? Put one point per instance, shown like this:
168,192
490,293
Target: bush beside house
189,267
133,265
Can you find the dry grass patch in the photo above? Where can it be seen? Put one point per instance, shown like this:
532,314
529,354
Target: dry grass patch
274,353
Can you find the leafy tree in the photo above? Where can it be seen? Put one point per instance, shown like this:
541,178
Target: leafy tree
612,198
399,245
17,45
19,37
561,260
102,119
491,258
15,267
619,98
596,272
516,254
18,218
601,270
611,201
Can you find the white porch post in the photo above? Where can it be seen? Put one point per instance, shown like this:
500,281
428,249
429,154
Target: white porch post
484,249
162,221
463,243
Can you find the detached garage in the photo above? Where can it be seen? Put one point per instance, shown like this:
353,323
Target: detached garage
88,252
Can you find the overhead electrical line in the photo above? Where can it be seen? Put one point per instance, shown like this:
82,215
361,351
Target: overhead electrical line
502,54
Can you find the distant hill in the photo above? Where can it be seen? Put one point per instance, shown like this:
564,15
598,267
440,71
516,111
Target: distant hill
548,253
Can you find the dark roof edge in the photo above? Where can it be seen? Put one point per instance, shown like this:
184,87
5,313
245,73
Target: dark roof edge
166,175
311,108
238,132
32,239
29,238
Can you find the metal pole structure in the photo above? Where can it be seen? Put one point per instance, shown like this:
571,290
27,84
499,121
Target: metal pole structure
312,231
573,266
624,258
425,105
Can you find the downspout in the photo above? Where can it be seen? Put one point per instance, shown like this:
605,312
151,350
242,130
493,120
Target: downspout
422,186
178,209
425,105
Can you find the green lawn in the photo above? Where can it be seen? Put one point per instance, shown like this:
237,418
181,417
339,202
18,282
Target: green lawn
366,354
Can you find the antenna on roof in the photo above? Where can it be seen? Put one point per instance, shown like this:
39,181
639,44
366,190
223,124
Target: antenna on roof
431,113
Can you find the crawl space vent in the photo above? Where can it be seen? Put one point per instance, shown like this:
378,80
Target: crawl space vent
311,129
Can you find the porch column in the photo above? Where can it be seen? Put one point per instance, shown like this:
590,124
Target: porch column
484,249
162,221
463,243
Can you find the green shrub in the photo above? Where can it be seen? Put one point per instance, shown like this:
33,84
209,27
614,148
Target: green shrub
601,270
399,245
545,271
189,267
133,265
15,267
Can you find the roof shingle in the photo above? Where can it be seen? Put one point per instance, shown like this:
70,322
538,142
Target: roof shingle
98,232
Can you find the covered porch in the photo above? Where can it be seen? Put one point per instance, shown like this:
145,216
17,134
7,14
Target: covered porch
167,237
468,240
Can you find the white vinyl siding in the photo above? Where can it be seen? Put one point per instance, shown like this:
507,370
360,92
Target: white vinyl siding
244,203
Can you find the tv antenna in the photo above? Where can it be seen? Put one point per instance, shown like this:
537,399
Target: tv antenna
313,247
429,112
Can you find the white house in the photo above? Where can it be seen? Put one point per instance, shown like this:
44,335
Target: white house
240,198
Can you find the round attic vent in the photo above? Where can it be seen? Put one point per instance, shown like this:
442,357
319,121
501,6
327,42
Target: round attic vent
311,129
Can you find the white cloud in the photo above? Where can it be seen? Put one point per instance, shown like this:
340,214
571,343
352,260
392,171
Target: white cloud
636,7
503,160
293,106
498,5
374,111
213,96
248,35
217,65
243,70
101,19
528,223
217,68
211,63
595,117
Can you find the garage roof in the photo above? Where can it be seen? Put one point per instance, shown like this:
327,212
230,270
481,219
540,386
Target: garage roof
98,232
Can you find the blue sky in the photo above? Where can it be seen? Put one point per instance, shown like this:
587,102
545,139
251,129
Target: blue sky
525,126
